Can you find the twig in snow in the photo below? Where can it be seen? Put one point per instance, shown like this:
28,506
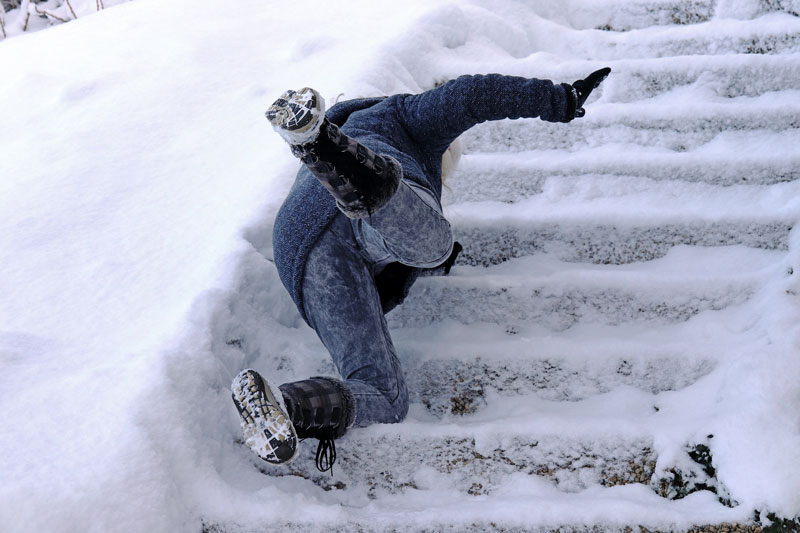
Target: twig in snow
100,5
48,14
71,10
2,21
25,6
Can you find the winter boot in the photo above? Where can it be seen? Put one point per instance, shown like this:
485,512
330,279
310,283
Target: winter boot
360,180
320,408
266,427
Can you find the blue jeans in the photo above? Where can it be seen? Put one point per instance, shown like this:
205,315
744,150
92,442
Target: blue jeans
342,302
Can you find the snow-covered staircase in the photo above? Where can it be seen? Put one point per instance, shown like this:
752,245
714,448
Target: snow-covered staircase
606,270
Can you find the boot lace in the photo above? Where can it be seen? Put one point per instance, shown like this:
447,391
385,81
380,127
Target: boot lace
326,455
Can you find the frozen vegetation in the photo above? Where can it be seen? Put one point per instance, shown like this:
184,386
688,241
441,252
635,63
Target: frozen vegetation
24,16
618,346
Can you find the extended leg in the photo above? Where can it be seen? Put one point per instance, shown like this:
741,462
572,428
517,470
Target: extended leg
360,180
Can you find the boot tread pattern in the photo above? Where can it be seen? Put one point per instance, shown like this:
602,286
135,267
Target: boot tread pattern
266,427
297,115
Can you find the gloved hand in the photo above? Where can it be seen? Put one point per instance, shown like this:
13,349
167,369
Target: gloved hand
582,88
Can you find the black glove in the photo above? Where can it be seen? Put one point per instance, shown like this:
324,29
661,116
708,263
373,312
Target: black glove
582,88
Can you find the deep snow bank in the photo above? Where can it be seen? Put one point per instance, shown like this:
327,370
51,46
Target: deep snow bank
134,153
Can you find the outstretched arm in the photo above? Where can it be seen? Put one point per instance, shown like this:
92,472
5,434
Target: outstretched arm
440,115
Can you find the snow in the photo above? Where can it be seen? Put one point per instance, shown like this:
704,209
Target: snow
139,181
127,186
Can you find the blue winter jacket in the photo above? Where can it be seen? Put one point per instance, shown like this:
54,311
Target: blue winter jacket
415,129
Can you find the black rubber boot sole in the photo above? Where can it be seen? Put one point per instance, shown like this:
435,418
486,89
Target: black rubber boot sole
266,427
297,115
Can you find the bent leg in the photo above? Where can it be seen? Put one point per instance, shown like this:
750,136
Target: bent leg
409,229
343,306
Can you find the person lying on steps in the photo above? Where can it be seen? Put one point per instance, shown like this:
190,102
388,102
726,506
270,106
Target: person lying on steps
361,222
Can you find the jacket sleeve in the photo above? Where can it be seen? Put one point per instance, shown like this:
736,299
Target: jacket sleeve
339,112
440,115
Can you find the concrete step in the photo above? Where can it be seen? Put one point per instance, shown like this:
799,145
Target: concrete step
626,16
690,80
725,76
476,457
674,128
553,46
778,37
510,176
455,387
472,519
633,15
558,295
616,220
513,179
452,370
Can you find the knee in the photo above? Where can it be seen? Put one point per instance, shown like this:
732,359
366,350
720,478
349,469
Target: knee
443,245
440,246
432,247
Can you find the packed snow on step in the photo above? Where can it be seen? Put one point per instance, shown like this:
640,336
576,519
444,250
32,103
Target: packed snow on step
139,183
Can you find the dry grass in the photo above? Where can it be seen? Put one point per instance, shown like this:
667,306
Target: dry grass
8,5
49,15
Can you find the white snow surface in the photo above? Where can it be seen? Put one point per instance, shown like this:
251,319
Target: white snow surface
138,184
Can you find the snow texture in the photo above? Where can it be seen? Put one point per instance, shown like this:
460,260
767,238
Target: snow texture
628,288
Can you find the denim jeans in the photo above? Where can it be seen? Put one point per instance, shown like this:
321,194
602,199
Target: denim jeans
342,302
